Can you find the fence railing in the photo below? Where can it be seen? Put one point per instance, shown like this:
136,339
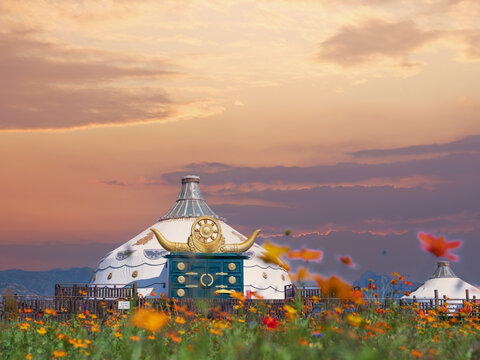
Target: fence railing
96,291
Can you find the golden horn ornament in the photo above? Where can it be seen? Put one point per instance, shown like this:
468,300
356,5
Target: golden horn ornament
168,245
244,246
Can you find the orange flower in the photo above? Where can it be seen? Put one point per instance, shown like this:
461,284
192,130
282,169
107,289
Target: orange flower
118,335
150,320
174,337
59,353
135,338
416,353
50,312
306,255
29,356
438,246
272,254
250,294
180,320
335,287
237,295
347,260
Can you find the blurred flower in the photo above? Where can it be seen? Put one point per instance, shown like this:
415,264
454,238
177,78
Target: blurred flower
354,320
50,312
29,356
237,295
416,353
302,274
271,322
118,335
272,254
335,287
438,246
59,353
250,294
174,337
347,260
180,320
288,231
135,338
150,320
306,255
42,331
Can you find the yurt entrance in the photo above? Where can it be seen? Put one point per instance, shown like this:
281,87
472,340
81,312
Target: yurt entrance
204,275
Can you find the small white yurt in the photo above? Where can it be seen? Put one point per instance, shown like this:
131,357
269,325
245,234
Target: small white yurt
447,284
142,259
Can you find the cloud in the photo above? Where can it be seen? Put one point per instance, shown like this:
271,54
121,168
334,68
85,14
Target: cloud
375,39
470,143
113,182
48,86
438,193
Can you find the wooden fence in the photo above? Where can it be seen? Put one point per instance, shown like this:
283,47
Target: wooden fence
96,291
71,299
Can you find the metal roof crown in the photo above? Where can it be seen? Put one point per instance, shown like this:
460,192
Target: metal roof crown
443,271
190,202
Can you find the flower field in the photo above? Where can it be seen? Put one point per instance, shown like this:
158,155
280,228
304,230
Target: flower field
346,331
347,324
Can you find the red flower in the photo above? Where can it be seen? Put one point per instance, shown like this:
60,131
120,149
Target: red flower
438,246
271,323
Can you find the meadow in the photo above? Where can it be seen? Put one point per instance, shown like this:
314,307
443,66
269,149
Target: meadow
345,331
347,324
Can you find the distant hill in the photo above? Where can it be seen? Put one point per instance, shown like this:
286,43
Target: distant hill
41,283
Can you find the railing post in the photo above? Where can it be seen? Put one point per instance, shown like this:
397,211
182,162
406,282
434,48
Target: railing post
467,293
436,297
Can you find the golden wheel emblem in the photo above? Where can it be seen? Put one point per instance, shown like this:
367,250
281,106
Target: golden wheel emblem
181,279
232,280
232,266
181,266
202,280
180,292
206,234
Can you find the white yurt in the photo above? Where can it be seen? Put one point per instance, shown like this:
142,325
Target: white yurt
447,284
143,258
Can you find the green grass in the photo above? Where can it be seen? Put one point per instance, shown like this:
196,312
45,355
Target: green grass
335,334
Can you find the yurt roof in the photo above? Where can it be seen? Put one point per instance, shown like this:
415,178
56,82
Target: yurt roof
446,283
190,202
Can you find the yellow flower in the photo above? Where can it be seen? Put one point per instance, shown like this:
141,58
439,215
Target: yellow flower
42,331
354,320
118,335
150,320
272,254
59,353
180,320
81,316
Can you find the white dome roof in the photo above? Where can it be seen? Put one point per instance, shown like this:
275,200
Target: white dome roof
447,284
141,259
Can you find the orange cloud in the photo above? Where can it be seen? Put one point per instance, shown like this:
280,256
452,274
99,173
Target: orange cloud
374,39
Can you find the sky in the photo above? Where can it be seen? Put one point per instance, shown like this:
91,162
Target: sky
353,123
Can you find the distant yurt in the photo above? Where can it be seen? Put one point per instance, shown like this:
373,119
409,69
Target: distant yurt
447,284
192,252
